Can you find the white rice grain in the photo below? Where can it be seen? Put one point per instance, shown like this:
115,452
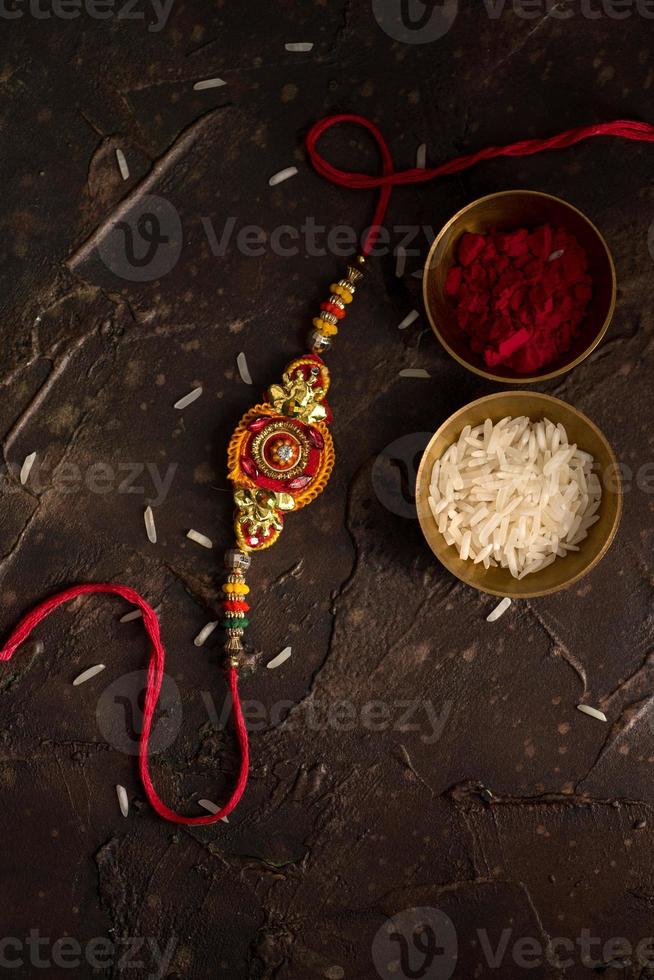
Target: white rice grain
130,616
150,527
408,320
421,156
499,610
593,712
299,47
400,261
243,369
204,634
122,164
26,468
187,400
86,675
199,538
280,658
212,808
282,175
123,800
207,83
414,373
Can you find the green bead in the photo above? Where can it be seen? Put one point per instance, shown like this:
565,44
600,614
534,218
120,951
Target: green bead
233,624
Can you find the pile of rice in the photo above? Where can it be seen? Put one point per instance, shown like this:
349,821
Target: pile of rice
516,494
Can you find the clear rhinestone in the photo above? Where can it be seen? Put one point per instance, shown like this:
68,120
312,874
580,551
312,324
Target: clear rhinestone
285,453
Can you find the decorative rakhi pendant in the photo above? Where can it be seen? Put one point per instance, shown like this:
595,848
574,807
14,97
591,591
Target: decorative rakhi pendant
281,455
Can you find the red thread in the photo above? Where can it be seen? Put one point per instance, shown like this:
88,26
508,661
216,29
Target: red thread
153,687
390,178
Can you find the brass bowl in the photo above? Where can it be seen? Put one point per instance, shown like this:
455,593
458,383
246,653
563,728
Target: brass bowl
564,571
505,211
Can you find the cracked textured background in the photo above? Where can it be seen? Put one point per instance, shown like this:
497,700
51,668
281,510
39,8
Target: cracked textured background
523,815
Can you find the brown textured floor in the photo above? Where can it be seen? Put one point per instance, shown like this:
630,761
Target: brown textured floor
476,789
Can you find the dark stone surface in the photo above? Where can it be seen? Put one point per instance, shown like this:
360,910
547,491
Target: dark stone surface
495,802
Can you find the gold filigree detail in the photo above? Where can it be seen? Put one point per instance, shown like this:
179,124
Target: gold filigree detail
262,437
259,515
299,397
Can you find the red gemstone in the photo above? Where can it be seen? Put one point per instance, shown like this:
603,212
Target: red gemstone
248,467
258,424
298,483
316,439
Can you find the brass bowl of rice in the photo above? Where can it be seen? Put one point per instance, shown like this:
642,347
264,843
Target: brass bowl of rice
563,571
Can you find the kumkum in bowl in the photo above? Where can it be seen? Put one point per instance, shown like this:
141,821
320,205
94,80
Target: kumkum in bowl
461,321
581,432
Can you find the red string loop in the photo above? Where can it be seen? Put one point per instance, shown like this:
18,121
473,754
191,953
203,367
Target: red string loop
390,178
153,687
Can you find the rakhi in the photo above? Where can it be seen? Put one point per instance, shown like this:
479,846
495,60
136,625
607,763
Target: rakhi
281,454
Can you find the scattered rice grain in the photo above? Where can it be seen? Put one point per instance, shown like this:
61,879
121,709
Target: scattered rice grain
212,808
421,156
593,712
209,83
282,175
499,610
122,164
243,369
26,468
400,261
408,320
414,373
299,46
123,800
199,538
188,399
280,658
150,528
130,616
86,675
204,634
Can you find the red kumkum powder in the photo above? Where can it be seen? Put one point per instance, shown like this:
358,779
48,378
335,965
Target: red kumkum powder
520,296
